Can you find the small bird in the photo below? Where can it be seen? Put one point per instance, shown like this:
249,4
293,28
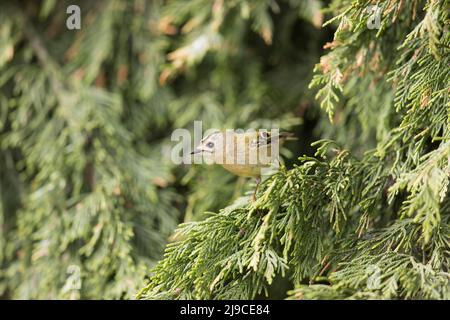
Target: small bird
245,154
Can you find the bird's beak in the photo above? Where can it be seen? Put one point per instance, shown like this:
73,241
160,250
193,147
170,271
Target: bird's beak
196,150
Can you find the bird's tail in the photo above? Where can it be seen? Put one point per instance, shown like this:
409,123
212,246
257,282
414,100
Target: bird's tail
287,136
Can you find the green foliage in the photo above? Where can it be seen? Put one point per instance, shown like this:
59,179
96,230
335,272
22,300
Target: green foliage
87,186
86,178
86,118
365,218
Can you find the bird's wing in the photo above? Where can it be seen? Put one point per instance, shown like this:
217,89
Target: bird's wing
266,138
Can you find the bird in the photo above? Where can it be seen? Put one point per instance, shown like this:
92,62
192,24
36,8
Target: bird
244,154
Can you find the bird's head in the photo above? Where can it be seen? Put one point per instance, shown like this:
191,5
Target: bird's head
211,146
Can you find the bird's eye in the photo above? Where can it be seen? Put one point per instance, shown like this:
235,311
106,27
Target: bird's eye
210,145
263,134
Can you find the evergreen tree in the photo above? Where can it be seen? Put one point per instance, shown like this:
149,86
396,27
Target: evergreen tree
87,184
368,215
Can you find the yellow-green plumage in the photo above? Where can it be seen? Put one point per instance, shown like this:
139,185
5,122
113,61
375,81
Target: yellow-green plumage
243,154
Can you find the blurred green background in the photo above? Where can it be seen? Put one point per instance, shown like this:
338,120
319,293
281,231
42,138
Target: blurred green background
88,194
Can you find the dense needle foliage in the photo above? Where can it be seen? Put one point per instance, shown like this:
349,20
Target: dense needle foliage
368,216
87,186
86,178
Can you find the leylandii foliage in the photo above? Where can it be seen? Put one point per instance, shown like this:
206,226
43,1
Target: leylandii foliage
89,196
368,215
88,193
